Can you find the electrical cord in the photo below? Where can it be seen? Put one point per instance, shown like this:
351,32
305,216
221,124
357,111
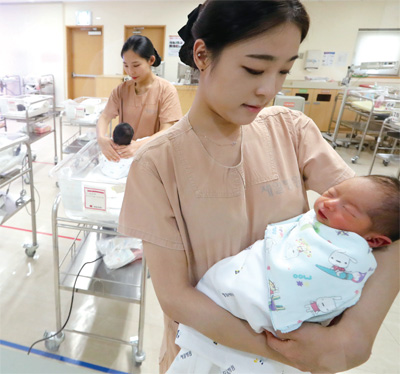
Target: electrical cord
70,308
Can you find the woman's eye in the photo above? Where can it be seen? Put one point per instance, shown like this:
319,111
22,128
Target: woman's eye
252,71
284,72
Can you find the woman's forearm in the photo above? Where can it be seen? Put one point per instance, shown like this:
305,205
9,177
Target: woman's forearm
366,317
185,304
102,126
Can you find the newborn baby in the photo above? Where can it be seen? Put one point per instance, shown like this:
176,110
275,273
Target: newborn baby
122,135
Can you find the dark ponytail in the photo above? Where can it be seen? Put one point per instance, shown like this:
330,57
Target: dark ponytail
220,23
143,47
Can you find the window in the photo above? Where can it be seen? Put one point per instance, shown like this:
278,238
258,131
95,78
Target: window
380,48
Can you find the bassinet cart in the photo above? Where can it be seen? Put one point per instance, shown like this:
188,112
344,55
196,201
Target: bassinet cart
127,283
92,203
9,205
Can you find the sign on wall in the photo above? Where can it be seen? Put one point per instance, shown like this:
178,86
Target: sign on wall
174,45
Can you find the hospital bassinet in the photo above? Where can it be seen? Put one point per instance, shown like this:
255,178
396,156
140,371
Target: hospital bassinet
86,192
25,106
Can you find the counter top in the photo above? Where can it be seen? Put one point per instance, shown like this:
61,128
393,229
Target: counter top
312,84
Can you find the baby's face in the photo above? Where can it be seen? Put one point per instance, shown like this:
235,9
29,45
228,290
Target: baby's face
345,206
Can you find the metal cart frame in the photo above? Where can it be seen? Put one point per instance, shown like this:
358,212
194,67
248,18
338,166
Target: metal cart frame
13,206
74,144
126,284
51,113
390,128
366,121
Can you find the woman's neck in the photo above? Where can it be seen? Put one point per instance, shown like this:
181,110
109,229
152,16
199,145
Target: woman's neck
222,140
208,123
143,86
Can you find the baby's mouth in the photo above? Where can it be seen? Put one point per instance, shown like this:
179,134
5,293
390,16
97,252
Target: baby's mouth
322,215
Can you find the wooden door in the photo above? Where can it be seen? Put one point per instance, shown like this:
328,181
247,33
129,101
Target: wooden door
155,33
84,59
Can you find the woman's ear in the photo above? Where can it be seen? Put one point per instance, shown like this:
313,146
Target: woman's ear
200,55
152,59
376,240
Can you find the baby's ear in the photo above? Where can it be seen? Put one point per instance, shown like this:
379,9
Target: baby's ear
376,241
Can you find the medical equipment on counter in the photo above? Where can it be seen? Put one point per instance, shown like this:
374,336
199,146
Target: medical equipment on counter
17,144
125,284
86,192
291,102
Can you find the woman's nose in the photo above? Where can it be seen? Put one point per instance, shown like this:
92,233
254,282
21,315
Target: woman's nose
267,87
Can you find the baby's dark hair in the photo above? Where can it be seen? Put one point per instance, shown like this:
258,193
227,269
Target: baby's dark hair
143,47
221,23
386,217
123,134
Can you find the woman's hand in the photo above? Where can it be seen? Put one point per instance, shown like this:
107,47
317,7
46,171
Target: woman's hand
319,349
107,147
348,343
127,151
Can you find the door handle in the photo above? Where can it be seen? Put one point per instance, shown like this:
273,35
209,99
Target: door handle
83,75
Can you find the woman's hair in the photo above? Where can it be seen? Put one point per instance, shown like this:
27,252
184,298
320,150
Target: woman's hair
143,47
386,217
220,23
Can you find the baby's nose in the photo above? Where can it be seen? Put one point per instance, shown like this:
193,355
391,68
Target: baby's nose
330,204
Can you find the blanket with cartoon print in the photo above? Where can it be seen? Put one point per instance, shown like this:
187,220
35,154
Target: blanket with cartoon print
301,271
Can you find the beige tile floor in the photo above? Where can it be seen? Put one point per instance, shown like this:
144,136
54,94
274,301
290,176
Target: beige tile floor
27,306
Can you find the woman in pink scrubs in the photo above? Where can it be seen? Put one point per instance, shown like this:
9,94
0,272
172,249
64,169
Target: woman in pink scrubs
149,103
208,186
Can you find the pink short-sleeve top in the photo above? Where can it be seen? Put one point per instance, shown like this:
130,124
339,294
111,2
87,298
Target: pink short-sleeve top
178,197
146,112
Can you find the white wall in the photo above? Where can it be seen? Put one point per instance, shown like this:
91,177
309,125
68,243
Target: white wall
32,41
32,36
116,14
334,28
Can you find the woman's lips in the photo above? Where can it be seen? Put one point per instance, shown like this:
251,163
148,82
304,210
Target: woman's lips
253,108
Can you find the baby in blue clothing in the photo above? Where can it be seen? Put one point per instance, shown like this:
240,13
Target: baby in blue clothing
308,268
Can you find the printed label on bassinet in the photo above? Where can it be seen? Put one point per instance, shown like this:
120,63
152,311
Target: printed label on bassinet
95,198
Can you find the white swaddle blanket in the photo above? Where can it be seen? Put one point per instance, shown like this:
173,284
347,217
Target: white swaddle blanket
302,271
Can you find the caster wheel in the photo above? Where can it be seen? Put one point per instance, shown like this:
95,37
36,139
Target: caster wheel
137,357
30,249
385,162
334,145
347,145
53,342
353,160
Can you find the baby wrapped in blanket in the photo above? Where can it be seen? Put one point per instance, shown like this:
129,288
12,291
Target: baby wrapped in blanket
303,270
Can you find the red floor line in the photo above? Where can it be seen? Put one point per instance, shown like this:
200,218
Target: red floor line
38,232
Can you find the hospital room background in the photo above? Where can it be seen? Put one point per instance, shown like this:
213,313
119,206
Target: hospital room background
58,213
